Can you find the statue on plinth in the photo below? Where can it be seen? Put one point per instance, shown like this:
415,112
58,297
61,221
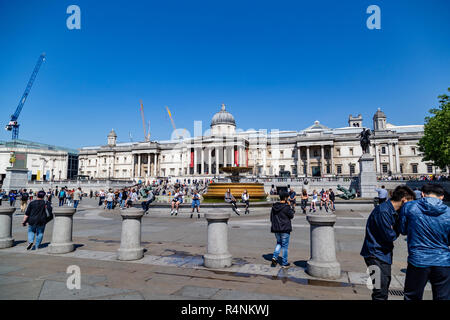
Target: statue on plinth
364,139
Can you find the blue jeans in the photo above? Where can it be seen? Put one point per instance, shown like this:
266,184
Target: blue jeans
75,203
282,243
61,202
109,205
39,232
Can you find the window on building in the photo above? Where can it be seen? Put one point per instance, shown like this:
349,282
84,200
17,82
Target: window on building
383,150
351,151
399,151
401,168
339,169
328,169
316,154
413,150
429,168
352,168
384,167
281,154
414,168
338,151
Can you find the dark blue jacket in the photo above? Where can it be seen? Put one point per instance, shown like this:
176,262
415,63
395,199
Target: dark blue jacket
381,233
426,222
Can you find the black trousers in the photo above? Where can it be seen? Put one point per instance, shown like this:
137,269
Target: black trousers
382,292
417,278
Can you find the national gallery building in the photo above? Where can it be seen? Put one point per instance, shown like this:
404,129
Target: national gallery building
316,151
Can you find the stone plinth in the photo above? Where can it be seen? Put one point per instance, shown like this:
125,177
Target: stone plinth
130,240
6,239
217,255
323,263
62,231
367,176
15,179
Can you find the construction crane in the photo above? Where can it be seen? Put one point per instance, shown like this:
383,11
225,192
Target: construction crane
173,123
146,137
13,125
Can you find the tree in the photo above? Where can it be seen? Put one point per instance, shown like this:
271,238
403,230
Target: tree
435,144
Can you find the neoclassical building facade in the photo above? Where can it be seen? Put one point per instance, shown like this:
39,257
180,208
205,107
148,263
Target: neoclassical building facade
314,151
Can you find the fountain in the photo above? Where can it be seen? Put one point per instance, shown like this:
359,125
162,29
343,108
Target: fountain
216,190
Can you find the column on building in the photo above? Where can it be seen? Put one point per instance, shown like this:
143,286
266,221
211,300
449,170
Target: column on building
377,159
331,159
322,161
225,156
299,161
397,159
391,159
139,165
217,156
307,160
195,160
232,156
202,158
209,161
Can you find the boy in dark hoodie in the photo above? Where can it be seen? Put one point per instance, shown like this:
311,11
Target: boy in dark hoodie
280,218
426,222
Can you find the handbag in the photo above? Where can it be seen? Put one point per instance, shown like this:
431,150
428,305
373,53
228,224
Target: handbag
49,216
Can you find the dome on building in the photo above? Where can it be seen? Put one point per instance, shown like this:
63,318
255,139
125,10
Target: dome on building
379,114
112,134
223,117
317,126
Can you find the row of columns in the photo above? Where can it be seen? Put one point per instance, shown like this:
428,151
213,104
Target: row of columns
152,158
391,147
308,161
323,262
217,151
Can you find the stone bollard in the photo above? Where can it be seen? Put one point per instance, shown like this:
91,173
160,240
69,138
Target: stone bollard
130,241
217,253
6,239
323,263
62,230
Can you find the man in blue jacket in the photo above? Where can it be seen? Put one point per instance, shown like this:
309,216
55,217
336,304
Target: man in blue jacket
426,222
381,232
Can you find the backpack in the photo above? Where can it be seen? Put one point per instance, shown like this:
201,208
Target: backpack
62,194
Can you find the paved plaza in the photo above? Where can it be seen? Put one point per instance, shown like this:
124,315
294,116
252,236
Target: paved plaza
172,267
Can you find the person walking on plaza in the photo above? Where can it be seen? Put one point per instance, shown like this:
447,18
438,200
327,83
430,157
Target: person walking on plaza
36,218
101,197
12,198
246,199
77,198
69,197
381,232
23,200
61,197
426,223
229,198
195,203
123,200
418,193
304,200
280,218
109,199
49,195
132,198
292,199
382,194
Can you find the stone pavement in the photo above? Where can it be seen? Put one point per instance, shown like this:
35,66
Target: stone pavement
172,265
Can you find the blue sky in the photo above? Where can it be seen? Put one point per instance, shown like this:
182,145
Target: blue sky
275,64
